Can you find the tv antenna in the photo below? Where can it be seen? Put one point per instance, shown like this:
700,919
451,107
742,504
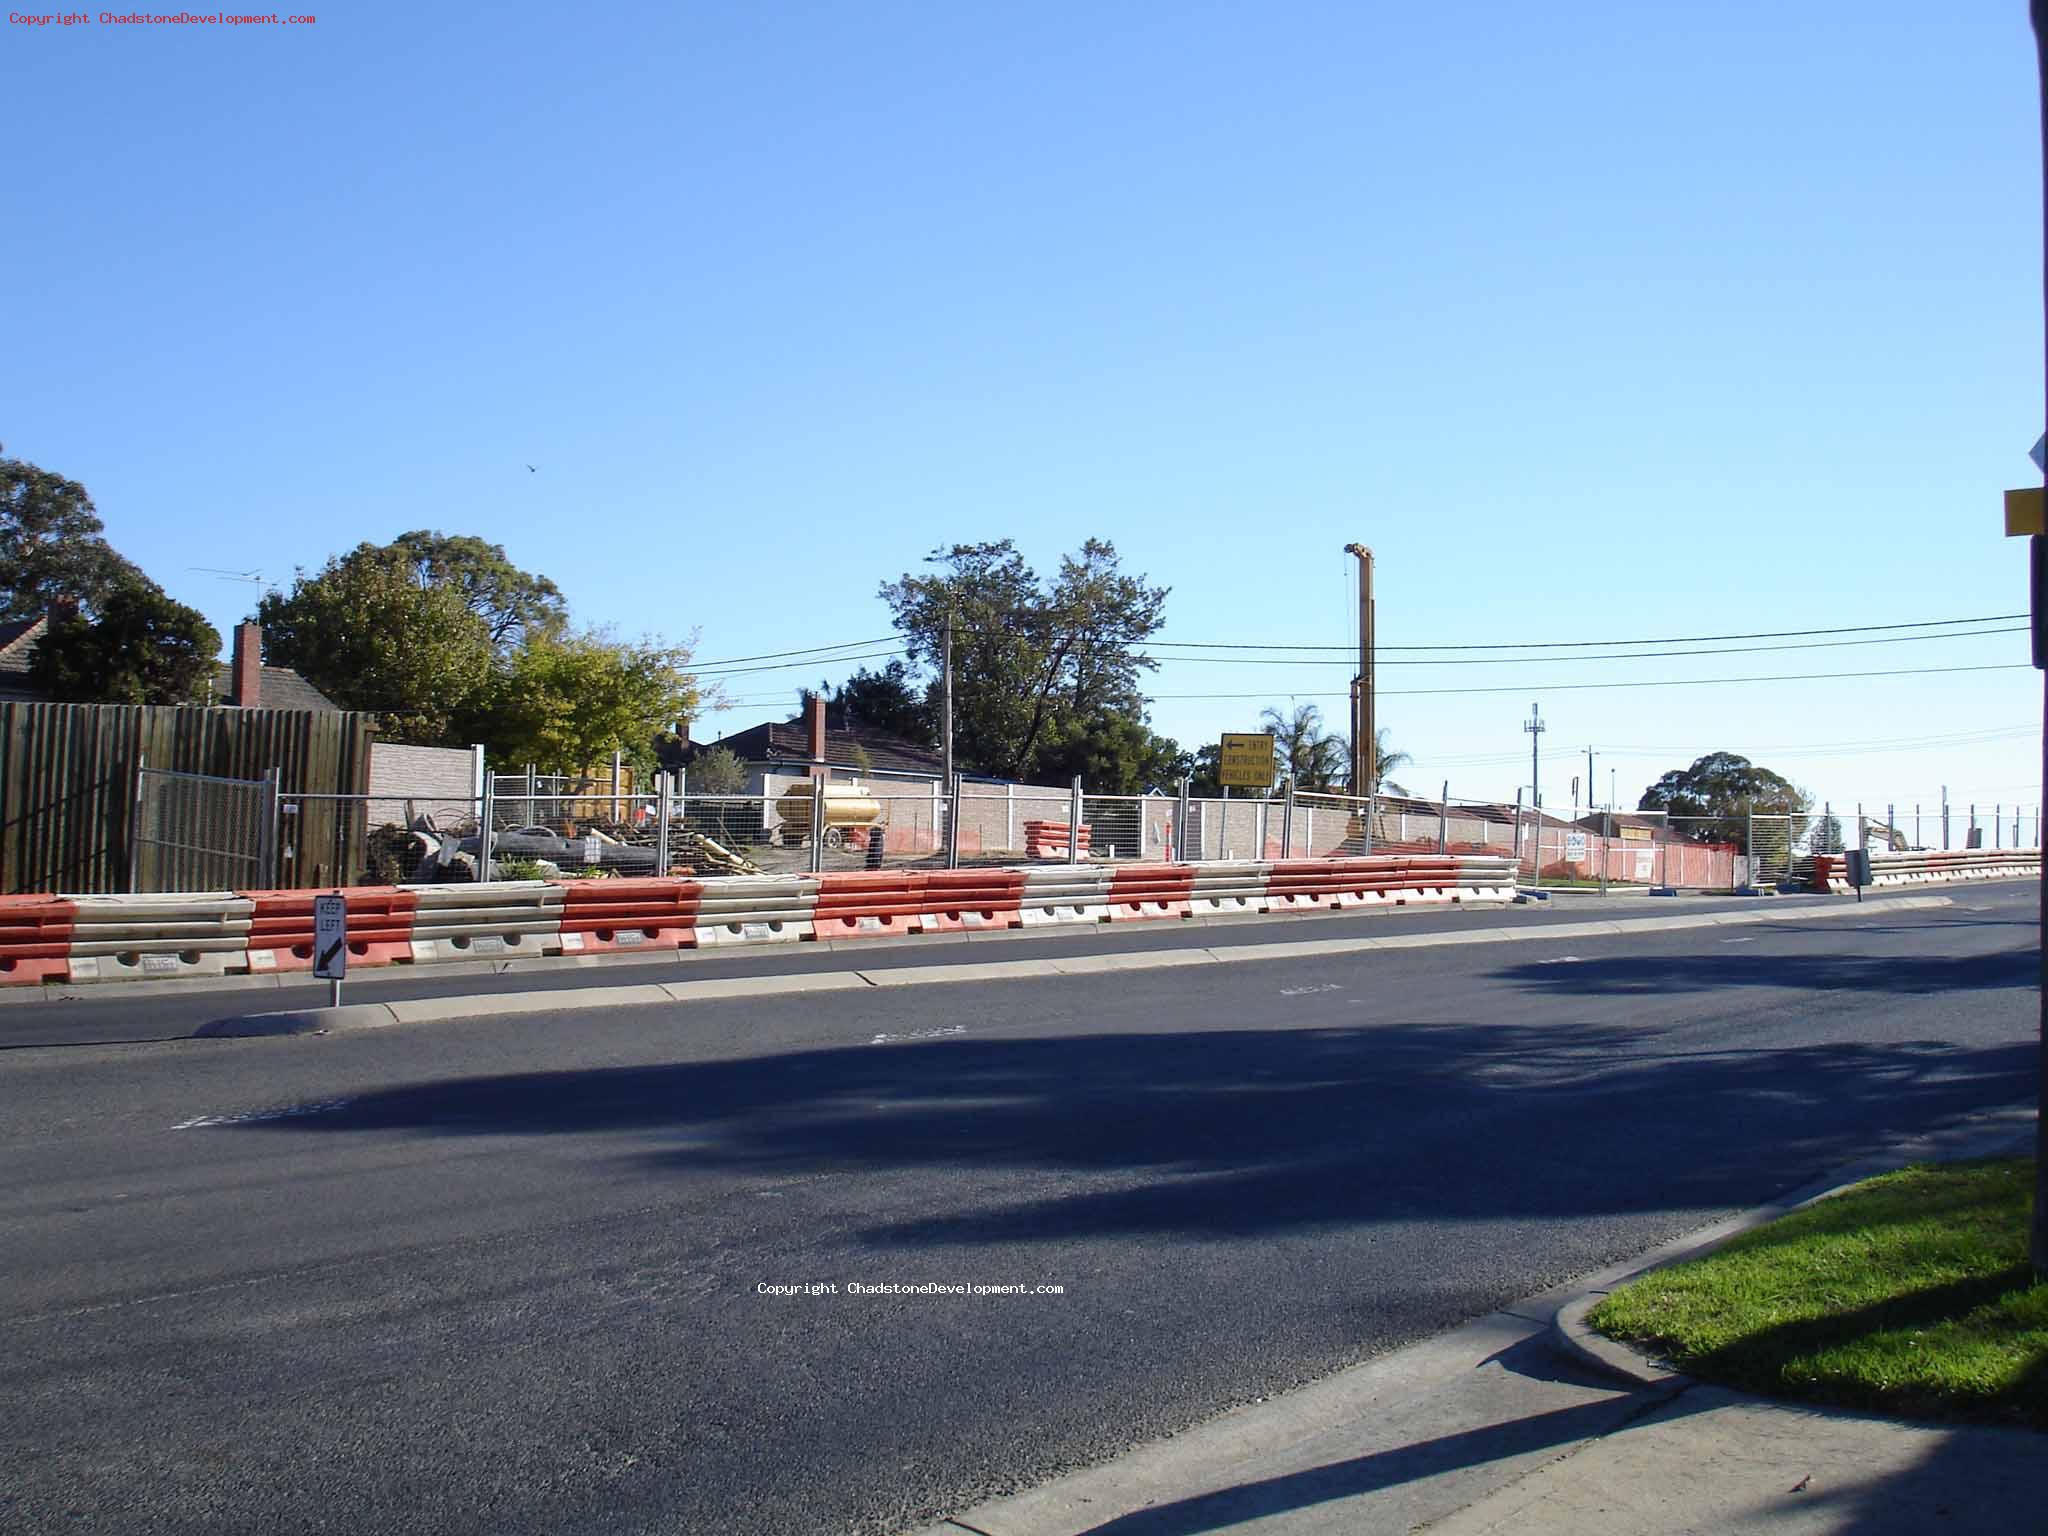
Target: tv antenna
254,578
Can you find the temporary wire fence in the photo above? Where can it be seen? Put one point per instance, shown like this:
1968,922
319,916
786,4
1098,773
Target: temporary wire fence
192,833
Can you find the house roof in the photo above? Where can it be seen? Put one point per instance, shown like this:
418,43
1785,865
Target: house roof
17,644
280,688
790,741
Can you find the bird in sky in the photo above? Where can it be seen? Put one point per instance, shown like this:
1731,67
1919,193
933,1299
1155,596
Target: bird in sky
531,470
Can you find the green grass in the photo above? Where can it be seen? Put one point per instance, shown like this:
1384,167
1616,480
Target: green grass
1909,1294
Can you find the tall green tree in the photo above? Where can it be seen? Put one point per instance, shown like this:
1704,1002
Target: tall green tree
1716,795
1114,755
52,551
513,604
889,700
566,702
140,648
1031,658
366,632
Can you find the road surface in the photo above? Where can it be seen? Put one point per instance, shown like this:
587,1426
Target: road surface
520,1274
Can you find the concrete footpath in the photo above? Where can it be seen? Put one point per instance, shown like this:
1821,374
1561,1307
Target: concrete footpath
1525,1422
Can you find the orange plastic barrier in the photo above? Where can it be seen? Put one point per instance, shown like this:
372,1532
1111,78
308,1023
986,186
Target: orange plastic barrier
281,927
608,917
35,939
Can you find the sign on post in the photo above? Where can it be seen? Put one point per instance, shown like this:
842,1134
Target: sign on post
330,938
1244,760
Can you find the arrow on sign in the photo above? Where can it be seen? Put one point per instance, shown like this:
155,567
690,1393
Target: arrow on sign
329,955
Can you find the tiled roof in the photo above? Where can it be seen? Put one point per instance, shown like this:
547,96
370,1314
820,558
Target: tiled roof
281,688
790,741
17,644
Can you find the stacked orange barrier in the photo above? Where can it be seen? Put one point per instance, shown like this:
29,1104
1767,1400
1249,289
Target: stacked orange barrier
35,939
868,906
281,927
967,900
1050,839
1148,892
608,917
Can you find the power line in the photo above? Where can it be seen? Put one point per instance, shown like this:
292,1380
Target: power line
814,659
1540,645
844,645
823,654
1678,682
1512,661
794,666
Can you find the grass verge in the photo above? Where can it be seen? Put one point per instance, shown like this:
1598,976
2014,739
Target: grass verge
1909,1294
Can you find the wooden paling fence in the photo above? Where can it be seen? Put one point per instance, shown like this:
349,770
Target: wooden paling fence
68,784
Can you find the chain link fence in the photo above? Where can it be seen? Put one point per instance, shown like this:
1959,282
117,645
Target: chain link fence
194,833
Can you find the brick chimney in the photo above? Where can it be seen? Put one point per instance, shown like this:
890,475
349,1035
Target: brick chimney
817,715
245,678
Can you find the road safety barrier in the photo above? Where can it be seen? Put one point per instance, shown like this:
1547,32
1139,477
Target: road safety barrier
968,900
1050,840
1064,894
1232,889
756,909
1929,866
380,927
868,906
500,920
35,939
1150,892
609,917
130,938
103,938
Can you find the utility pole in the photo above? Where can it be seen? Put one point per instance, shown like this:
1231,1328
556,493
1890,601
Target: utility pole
2038,549
1535,727
1364,737
946,727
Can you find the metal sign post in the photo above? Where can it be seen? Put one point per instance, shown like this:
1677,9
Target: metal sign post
330,942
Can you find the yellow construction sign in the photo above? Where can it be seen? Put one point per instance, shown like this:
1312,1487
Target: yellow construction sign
1245,760
2026,511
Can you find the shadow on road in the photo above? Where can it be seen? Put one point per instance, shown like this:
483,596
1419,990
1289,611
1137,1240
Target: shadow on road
1242,1133
1652,975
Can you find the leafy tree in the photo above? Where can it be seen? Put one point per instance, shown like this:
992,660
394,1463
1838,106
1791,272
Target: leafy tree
142,648
717,771
1114,755
369,635
565,702
51,551
512,603
890,701
1030,658
1716,795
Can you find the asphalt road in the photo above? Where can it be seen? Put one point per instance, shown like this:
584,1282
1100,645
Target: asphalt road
505,1276
119,1012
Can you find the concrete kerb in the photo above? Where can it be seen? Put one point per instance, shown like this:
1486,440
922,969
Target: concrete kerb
354,1016
1983,1136
1311,1426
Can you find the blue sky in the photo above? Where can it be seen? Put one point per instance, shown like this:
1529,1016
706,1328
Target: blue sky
1595,321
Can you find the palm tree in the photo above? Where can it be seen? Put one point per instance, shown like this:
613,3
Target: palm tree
1385,761
1314,759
